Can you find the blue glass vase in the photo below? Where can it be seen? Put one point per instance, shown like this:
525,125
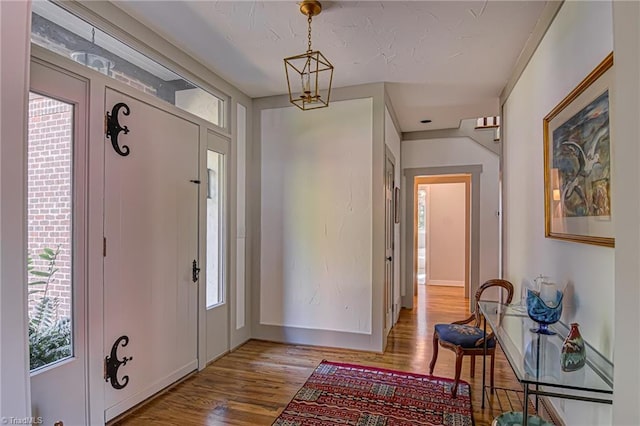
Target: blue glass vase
543,313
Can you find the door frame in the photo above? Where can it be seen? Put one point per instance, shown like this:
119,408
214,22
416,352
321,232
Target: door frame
80,194
409,261
434,180
221,145
389,290
95,273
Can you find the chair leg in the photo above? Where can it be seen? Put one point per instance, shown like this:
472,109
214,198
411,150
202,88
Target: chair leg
493,363
473,365
432,365
454,390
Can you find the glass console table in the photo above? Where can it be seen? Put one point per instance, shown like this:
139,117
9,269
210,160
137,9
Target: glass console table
535,359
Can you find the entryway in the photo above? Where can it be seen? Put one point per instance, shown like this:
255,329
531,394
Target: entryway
446,175
140,223
150,251
441,229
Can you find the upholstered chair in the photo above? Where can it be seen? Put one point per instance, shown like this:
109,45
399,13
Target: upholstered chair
468,339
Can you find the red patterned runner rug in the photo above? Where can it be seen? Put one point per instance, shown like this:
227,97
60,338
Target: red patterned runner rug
348,394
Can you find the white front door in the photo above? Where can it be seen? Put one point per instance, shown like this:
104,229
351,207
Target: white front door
217,206
56,217
151,242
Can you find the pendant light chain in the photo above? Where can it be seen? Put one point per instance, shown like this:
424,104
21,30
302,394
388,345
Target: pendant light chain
309,21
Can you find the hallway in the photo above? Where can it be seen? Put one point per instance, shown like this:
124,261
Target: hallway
253,384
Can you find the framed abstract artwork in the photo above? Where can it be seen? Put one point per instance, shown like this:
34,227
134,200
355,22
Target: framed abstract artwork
577,162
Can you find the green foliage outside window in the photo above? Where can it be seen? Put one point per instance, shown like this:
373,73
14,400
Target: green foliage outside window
49,335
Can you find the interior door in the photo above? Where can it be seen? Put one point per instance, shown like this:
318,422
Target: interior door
57,158
217,285
389,233
151,244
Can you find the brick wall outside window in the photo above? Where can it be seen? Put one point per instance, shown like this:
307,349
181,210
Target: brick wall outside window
62,50
50,192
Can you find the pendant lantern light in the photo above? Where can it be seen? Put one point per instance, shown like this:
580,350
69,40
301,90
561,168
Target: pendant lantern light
310,74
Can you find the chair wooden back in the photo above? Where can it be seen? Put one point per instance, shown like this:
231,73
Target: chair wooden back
488,284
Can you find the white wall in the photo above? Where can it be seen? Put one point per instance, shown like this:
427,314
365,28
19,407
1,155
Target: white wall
15,26
446,205
573,46
316,217
459,152
577,41
392,141
626,206
241,225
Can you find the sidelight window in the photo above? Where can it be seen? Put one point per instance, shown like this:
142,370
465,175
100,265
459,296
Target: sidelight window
215,227
49,221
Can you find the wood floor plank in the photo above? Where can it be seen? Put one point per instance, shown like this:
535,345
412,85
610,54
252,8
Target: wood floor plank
252,385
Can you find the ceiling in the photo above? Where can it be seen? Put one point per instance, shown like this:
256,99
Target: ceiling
444,60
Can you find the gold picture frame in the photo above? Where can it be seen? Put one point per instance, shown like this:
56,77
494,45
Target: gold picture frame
577,162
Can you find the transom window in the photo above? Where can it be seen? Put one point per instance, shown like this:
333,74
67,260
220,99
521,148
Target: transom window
60,31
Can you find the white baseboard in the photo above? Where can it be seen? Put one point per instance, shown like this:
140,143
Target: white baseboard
446,283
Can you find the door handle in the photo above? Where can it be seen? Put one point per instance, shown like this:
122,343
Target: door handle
389,258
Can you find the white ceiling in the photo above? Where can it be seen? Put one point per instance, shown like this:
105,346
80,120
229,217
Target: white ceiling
445,60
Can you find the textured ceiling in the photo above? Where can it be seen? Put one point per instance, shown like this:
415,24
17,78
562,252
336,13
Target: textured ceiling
446,61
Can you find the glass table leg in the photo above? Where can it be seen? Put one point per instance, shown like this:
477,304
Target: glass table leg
525,408
484,361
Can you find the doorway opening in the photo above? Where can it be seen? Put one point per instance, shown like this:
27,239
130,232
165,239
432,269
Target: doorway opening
441,230
442,205
470,175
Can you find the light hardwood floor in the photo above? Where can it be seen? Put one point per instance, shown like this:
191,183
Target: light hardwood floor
253,384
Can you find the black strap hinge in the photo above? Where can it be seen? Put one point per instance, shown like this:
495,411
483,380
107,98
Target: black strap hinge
195,271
